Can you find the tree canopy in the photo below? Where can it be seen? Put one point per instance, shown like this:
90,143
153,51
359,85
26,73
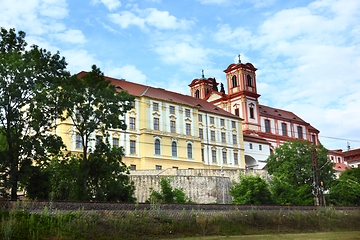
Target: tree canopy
293,177
30,103
250,190
345,191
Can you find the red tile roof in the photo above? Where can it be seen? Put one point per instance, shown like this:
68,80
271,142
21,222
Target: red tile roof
139,90
340,167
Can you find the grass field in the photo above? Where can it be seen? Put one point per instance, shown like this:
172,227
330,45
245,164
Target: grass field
303,236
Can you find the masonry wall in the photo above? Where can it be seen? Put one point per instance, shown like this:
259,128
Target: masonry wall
200,185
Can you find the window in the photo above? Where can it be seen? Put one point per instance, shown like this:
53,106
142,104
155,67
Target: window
200,118
197,93
267,125
236,159
300,132
172,126
202,155
224,157
188,129
250,145
222,122
98,139
223,138
158,167
260,147
187,112
251,110
155,107
189,150
234,138
173,149
233,124
313,139
201,133
132,147
115,142
78,141
213,156
284,129
156,123
132,103
132,167
212,135
237,112
233,81
249,80
172,110
212,120
132,123
157,147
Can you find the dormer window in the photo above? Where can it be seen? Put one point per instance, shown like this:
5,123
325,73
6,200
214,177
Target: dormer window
234,81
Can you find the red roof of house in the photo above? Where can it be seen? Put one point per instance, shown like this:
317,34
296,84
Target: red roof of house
340,167
282,114
139,90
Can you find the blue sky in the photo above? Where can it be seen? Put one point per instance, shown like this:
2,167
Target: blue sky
307,52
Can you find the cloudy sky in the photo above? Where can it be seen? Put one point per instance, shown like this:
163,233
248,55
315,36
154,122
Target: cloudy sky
307,51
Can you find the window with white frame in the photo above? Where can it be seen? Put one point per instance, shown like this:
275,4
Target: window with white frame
224,157
132,123
132,146
173,149
156,124
212,135
201,133
78,141
155,107
212,120
172,126
233,124
236,158
234,138
300,132
213,156
189,151
157,146
188,129
222,122
172,110
223,137
115,142
187,112
200,118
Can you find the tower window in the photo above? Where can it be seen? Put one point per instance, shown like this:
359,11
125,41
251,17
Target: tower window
234,82
251,110
237,112
197,93
249,80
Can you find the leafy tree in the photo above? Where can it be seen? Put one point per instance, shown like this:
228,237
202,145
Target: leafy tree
292,172
168,194
30,103
250,190
345,190
96,106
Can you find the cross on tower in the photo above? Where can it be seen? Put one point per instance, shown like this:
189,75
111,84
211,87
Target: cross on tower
239,58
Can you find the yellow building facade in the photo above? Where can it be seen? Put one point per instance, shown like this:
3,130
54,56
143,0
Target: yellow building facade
170,130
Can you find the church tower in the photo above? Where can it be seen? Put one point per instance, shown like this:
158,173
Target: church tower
242,94
200,88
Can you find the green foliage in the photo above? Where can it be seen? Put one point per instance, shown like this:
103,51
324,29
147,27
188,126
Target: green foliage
292,172
94,105
30,100
345,191
167,194
250,190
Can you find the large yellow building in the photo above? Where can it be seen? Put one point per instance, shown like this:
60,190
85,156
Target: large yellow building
170,130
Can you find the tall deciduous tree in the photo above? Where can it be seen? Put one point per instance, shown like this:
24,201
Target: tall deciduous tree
30,103
97,106
293,178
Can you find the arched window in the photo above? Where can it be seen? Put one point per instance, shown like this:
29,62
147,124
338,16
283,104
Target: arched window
189,150
197,93
157,147
174,149
249,80
234,82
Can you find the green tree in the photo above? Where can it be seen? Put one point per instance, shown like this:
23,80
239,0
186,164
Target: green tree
168,194
250,190
30,103
291,167
345,191
96,105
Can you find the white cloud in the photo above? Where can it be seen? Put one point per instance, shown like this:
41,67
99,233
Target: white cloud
111,4
129,73
79,60
149,17
71,36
